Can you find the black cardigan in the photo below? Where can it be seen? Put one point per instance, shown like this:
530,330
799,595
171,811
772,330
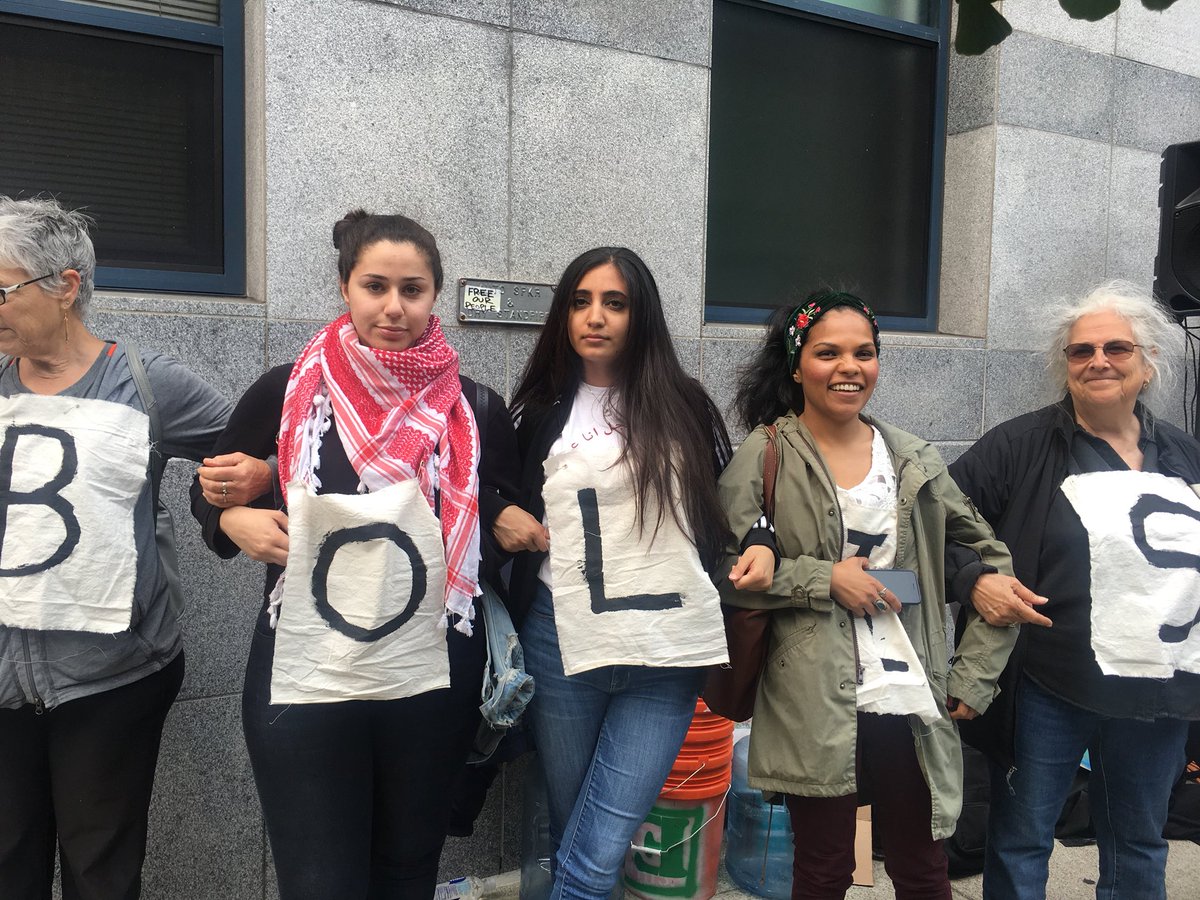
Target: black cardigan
254,428
1012,475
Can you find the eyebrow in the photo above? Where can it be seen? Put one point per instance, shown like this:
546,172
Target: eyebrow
835,346
604,294
385,278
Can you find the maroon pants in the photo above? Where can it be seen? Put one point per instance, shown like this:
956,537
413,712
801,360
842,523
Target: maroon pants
890,779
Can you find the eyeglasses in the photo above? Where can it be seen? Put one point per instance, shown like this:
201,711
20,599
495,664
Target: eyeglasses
4,292
1115,350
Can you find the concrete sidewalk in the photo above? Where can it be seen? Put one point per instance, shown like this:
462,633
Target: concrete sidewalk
1072,877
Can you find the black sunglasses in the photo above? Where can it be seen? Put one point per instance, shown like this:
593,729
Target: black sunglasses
1117,350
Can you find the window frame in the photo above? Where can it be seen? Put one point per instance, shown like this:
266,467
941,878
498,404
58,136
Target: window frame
937,36
228,35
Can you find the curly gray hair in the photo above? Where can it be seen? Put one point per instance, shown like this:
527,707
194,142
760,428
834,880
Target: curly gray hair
39,236
1158,334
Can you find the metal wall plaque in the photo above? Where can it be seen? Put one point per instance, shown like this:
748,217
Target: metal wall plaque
503,302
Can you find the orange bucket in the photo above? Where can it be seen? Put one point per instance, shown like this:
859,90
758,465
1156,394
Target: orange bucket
677,850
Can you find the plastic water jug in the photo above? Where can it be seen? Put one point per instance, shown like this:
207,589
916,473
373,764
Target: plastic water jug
758,850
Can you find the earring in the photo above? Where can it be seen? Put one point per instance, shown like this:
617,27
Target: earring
66,329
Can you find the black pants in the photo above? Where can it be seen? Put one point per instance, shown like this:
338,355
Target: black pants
356,795
82,772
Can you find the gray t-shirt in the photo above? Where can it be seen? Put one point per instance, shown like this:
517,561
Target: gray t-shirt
52,667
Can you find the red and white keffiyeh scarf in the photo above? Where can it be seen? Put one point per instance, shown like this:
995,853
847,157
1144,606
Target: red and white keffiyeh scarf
400,414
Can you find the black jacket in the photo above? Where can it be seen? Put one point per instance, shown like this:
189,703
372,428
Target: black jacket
1012,475
538,427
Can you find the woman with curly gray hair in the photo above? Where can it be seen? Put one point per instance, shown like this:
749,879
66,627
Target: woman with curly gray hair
1096,499
90,649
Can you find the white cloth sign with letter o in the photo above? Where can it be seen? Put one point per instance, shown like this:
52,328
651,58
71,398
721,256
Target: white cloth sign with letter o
71,472
362,616
1144,541
623,596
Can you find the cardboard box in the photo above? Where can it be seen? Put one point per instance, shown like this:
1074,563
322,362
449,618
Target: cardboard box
864,874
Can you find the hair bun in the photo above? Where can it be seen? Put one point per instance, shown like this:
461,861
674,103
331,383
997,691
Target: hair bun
348,221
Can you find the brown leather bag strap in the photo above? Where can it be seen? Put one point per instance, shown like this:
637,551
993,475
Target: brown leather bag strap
770,472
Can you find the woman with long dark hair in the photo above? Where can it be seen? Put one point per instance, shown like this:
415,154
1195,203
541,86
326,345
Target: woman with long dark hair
857,702
363,684
620,451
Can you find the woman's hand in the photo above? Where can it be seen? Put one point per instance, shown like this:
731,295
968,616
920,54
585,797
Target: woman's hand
853,587
234,479
754,569
959,710
1002,600
516,530
262,534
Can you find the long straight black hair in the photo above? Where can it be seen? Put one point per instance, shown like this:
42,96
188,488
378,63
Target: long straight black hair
673,432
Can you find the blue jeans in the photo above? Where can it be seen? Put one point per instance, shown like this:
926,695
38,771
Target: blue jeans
607,739
1134,764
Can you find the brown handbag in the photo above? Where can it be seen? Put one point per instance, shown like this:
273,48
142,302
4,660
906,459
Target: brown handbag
730,689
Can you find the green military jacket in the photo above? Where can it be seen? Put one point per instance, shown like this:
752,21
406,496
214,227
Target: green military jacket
805,715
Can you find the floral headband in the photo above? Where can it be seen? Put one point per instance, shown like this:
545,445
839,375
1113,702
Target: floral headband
803,318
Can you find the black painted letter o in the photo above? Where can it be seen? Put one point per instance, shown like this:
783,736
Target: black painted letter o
335,541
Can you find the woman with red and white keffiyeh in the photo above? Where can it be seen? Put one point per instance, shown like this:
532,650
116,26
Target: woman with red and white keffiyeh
362,689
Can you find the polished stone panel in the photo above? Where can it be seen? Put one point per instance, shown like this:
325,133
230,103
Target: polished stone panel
1017,383
206,837
1050,228
967,232
1046,18
934,393
404,112
494,12
675,30
609,148
971,101
1133,216
1153,107
1166,39
1055,87
224,351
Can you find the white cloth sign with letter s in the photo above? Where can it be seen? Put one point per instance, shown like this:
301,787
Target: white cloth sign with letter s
362,616
71,472
623,596
1144,540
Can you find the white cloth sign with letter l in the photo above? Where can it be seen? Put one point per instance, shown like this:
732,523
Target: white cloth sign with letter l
362,616
623,595
71,473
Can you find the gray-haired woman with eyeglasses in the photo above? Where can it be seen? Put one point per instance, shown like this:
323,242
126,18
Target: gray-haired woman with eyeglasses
90,652
1096,499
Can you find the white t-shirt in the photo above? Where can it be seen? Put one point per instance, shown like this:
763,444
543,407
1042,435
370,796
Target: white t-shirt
869,510
892,680
586,426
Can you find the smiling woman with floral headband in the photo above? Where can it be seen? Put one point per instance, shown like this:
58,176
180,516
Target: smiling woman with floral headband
856,704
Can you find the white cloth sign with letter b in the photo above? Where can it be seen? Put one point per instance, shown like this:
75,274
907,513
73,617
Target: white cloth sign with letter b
362,612
71,472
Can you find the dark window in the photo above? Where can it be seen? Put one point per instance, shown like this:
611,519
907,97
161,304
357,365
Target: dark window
132,127
825,162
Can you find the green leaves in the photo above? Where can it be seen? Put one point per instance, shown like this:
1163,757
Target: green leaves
981,26
1092,10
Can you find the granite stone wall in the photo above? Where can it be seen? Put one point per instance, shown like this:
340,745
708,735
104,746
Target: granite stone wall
523,131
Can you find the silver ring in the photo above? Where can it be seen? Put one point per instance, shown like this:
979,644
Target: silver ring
224,490
880,605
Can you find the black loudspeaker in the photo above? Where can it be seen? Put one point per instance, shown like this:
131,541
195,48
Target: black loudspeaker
1177,266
